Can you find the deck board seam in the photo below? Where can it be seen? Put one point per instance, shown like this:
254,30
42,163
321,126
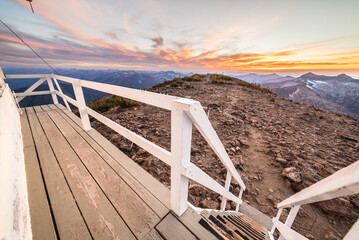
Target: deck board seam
36,114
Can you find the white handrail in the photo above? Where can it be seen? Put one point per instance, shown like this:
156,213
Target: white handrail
25,94
60,90
287,232
67,98
150,147
202,123
151,98
15,76
184,112
341,183
353,232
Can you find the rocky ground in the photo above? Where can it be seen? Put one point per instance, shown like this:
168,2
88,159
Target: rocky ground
278,146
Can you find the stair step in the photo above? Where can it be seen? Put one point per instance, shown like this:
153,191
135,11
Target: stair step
232,226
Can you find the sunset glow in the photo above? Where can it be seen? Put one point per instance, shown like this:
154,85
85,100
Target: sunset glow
252,36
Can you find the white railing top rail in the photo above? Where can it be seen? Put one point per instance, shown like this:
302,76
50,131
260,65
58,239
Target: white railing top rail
151,98
341,183
287,232
192,109
15,76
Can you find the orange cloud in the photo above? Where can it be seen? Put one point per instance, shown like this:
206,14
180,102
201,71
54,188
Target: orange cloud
110,51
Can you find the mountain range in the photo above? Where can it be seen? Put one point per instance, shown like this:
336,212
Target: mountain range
338,94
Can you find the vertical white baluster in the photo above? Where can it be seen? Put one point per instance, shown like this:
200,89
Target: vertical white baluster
227,185
81,105
290,219
240,197
280,210
52,89
353,233
60,90
181,135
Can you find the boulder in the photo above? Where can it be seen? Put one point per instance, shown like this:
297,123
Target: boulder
336,207
292,174
210,204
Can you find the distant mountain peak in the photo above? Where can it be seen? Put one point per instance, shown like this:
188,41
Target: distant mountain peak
273,74
309,75
343,75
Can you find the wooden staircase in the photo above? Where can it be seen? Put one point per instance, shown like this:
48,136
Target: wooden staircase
232,225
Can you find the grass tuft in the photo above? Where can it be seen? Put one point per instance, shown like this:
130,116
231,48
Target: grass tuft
253,85
220,79
104,104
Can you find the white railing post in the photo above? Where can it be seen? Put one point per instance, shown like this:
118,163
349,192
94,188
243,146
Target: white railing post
279,213
80,99
227,186
52,89
353,232
240,197
60,90
181,136
291,217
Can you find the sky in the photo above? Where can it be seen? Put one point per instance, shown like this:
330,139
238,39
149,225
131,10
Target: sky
288,37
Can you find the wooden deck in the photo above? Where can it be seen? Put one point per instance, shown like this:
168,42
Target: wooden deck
82,187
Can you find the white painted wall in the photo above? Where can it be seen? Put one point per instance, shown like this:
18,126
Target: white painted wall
14,206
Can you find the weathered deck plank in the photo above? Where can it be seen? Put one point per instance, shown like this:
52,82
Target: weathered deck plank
96,209
45,108
153,235
149,182
38,109
68,218
41,220
172,229
141,191
136,213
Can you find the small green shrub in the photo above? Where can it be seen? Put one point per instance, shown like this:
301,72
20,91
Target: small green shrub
194,78
188,85
104,104
176,82
253,85
220,79
149,89
162,84
272,99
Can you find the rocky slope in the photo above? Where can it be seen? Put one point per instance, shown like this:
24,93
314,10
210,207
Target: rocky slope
279,147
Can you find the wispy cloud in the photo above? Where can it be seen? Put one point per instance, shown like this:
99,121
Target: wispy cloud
89,33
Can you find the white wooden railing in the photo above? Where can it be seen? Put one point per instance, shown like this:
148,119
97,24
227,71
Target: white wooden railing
342,183
184,114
